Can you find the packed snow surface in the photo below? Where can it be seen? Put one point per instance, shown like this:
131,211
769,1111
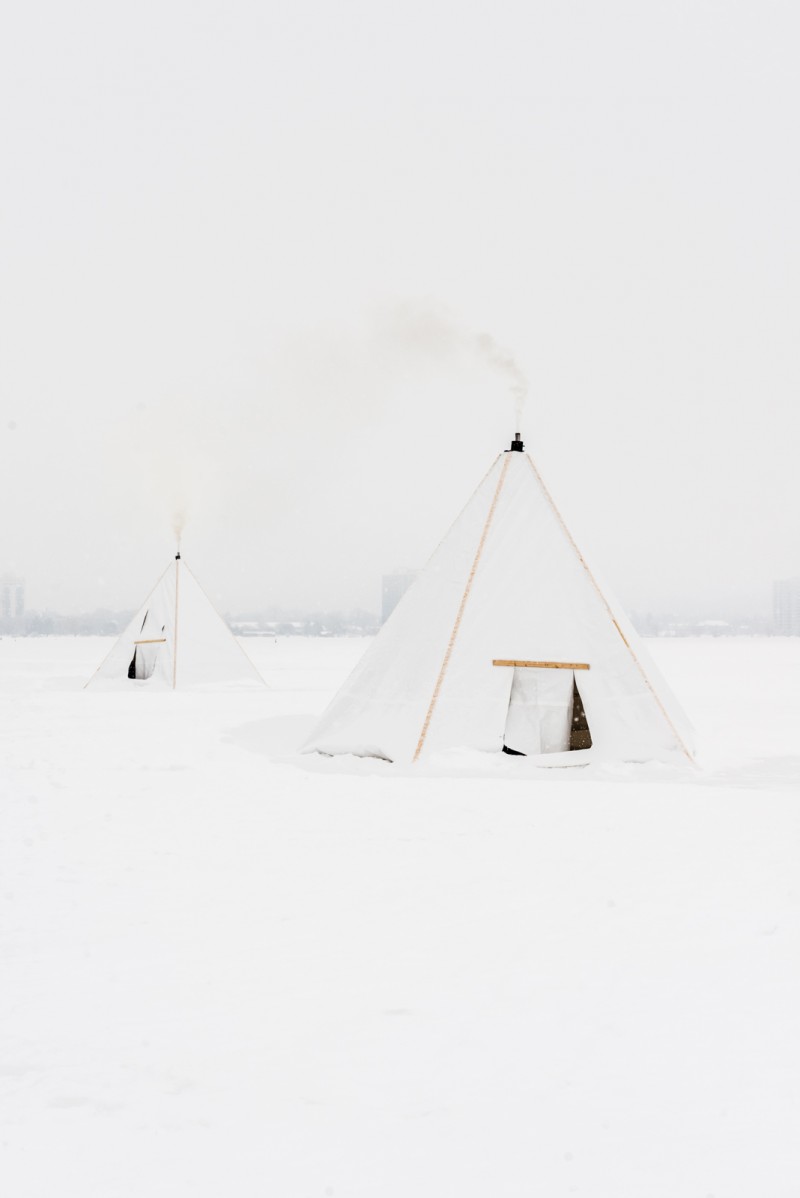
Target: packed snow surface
228,969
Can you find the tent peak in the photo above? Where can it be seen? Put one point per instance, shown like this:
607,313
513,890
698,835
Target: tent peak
178,556
516,445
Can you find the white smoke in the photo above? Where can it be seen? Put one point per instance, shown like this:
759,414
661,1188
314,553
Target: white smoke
293,457
179,520
502,361
418,332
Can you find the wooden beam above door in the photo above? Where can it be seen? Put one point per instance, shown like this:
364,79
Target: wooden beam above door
542,665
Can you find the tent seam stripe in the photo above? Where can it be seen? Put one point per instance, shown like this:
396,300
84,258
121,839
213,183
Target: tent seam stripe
448,652
607,606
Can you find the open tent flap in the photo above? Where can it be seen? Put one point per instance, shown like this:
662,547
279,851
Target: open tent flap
144,651
145,659
147,647
539,716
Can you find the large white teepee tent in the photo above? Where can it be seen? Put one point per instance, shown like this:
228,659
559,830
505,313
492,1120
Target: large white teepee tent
505,641
177,640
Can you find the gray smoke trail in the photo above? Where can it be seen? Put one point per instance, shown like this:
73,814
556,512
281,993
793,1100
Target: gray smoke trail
422,332
502,361
178,524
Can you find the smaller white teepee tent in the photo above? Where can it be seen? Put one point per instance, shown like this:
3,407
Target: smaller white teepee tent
177,640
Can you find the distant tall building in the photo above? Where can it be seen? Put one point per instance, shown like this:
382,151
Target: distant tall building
12,597
394,587
786,607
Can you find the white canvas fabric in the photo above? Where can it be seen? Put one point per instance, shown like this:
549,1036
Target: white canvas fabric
177,639
539,718
507,582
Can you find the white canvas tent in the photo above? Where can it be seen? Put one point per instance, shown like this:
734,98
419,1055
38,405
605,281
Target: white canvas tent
506,641
177,640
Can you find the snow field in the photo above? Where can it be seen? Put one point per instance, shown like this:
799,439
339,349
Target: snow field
230,970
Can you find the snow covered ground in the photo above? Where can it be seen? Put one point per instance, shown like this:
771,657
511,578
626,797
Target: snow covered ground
228,970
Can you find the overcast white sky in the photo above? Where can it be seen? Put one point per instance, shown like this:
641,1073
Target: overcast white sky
245,249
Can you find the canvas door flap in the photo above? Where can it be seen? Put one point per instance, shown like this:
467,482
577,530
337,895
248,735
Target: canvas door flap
540,711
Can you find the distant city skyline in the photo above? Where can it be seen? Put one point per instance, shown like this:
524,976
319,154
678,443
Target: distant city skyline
778,603
786,610
12,596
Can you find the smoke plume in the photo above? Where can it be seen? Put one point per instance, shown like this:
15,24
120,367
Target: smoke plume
502,361
420,332
178,524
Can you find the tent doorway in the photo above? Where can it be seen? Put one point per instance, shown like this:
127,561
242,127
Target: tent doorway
545,710
579,737
143,662
145,653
